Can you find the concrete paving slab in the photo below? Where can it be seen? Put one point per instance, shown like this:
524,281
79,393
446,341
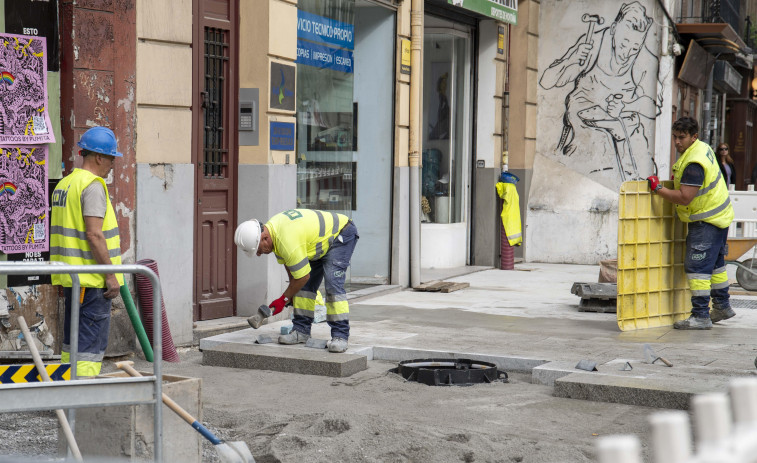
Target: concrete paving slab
290,359
528,321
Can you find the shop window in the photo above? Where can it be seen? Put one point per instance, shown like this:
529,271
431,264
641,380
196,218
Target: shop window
326,124
446,115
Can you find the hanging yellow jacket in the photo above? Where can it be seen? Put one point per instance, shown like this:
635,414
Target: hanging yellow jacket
510,212
712,204
68,233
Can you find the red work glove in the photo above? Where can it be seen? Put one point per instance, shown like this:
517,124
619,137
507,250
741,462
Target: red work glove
654,183
279,304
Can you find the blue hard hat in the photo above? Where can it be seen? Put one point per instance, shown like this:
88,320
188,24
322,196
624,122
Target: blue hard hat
100,140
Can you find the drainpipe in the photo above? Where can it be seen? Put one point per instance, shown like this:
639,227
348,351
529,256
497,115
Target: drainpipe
414,160
707,112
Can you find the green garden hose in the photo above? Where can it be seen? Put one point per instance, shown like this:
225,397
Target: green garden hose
136,322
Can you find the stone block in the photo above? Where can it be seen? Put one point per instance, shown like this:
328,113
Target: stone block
291,359
548,373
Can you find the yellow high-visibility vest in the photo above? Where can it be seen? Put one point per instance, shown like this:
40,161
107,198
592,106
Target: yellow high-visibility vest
712,203
302,235
510,212
68,237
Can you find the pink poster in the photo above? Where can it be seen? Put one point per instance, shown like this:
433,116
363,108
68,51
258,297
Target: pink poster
24,117
23,199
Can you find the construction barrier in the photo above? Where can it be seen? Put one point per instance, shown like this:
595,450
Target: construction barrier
652,286
720,436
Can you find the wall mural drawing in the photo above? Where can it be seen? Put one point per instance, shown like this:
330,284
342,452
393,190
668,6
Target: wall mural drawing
608,120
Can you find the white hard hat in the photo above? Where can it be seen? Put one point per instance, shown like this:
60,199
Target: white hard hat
247,236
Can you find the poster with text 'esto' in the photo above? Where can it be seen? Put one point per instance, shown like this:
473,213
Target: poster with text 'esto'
24,118
23,199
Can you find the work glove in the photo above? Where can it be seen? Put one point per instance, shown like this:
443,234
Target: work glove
279,304
654,183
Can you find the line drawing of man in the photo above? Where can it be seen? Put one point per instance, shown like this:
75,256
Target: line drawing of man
615,78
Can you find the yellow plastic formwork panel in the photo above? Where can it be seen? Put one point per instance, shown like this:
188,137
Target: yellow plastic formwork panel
652,286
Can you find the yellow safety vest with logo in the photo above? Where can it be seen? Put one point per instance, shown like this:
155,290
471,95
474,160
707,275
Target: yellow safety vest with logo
712,203
68,237
302,235
510,212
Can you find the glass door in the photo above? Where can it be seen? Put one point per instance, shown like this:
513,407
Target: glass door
446,116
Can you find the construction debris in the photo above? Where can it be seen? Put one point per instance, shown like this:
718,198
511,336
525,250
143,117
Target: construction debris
441,286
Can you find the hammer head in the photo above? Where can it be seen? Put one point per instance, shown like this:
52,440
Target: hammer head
592,18
265,311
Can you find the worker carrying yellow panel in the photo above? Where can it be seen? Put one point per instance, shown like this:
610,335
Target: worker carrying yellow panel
701,198
511,208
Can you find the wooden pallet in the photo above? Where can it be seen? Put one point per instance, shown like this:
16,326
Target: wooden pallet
441,286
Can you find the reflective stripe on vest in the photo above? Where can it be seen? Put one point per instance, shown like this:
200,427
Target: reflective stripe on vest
303,235
68,237
712,203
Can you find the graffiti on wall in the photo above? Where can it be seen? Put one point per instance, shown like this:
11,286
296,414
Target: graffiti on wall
23,199
609,78
24,118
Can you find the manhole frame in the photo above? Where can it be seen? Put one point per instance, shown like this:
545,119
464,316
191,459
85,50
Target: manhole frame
450,372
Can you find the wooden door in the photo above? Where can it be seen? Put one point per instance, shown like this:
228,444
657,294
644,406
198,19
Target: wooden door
215,156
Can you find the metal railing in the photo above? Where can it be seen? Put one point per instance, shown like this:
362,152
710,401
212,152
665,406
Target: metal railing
717,11
146,390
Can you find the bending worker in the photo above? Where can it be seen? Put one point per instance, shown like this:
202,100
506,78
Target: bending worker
313,246
701,198
84,231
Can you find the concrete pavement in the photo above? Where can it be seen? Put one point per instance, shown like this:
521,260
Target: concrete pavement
523,320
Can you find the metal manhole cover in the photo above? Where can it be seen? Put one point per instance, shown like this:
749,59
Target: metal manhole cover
450,372
744,303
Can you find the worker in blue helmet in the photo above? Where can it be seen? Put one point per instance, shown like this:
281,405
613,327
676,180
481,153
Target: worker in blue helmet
84,231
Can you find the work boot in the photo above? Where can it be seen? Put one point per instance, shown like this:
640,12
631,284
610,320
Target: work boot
718,315
337,345
295,337
693,323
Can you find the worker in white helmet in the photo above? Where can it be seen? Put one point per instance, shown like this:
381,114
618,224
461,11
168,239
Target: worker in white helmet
315,247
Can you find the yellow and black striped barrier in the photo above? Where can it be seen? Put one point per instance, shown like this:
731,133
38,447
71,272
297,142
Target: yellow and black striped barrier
28,373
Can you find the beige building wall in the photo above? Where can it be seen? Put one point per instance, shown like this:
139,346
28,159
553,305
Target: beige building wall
266,25
164,81
523,83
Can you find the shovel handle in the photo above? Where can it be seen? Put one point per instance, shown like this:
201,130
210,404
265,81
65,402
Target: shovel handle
665,361
45,378
128,368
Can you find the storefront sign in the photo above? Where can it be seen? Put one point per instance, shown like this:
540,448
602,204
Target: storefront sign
501,40
282,136
282,86
321,56
405,62
501,10
325,30
37,18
